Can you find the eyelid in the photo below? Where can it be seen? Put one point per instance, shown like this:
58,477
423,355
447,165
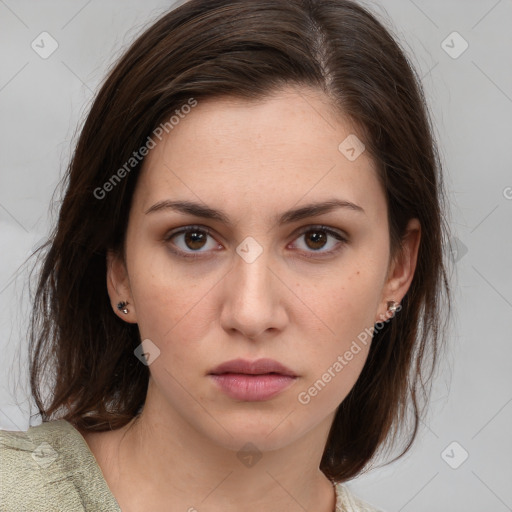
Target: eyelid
337,233
184,229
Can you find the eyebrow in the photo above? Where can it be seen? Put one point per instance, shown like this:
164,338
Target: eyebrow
294,215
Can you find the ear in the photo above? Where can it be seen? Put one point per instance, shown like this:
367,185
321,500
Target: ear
118,286
401,268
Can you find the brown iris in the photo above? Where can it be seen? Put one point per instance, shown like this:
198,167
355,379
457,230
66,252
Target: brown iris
317,238
195,239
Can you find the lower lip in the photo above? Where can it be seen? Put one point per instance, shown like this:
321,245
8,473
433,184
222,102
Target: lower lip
252,388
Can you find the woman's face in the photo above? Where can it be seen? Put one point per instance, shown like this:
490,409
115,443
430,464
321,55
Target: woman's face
286,259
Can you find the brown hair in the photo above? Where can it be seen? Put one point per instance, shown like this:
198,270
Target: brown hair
211,48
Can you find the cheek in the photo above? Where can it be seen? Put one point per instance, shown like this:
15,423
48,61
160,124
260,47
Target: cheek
347,308
170,304
348,304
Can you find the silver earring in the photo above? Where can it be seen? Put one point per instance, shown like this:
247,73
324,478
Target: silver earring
122,307
392,306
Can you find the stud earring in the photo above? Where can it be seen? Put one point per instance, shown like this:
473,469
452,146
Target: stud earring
392,307
122,307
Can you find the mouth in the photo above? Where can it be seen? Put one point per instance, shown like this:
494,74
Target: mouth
258,367
252,381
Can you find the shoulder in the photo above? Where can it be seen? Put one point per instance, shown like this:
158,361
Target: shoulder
36,448
48,431
24,461
48,468
349,502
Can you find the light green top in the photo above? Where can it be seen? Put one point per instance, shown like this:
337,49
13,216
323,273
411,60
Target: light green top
50,468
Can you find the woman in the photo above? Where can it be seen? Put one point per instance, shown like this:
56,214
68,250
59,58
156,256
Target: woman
243,293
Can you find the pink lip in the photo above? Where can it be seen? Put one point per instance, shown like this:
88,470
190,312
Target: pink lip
252,380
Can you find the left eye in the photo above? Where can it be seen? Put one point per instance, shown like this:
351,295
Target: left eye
319,239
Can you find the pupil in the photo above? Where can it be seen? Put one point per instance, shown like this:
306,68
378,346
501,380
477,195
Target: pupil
318,238
194,239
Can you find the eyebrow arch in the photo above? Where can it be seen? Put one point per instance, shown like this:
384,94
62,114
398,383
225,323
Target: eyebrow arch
294,215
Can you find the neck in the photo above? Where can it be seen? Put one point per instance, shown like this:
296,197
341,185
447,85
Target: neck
157,462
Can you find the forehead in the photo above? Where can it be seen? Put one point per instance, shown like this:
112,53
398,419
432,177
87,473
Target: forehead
278,149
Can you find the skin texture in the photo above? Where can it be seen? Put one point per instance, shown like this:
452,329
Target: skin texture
252,160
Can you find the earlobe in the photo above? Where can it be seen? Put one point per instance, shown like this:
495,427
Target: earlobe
402,268
121,306
118,286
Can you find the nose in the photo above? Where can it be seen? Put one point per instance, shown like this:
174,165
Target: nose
253,299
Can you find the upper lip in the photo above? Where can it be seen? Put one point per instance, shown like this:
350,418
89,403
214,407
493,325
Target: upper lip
257,367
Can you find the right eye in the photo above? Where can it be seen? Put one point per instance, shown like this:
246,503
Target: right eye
191,240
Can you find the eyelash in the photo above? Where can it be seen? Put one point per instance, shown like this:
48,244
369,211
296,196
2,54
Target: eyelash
203,229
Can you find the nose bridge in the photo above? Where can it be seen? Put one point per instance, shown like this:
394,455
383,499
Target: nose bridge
253,276
252,303
251,286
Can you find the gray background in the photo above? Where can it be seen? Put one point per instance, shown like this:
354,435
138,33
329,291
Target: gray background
42,102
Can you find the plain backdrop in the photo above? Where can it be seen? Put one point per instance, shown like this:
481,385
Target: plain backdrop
462,49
